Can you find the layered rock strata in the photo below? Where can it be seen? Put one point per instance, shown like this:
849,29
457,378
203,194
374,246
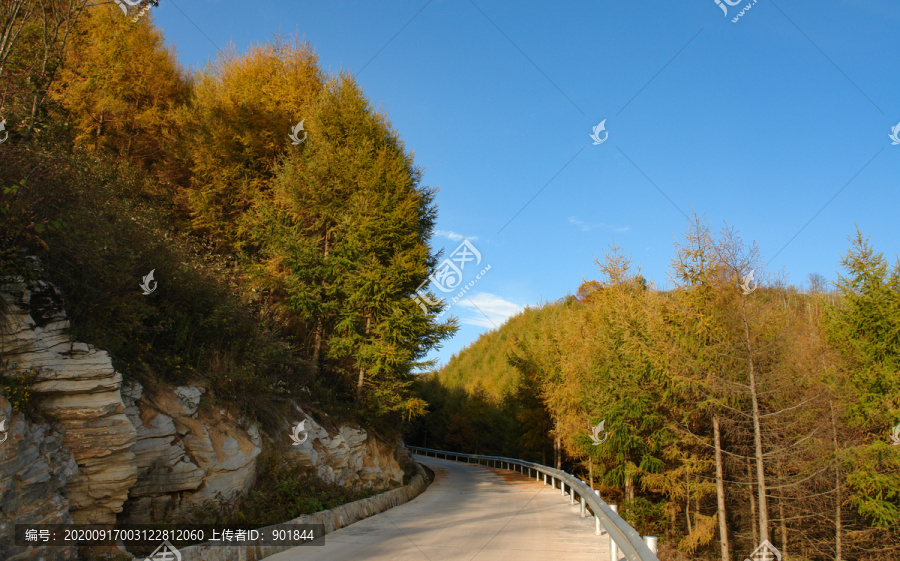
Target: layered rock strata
125,453
185,456
34,470
351,457
79,388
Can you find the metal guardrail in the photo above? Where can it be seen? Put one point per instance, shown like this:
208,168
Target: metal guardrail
621,534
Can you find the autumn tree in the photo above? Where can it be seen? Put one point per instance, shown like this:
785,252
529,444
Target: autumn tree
120,87
343,236
865,328
241,111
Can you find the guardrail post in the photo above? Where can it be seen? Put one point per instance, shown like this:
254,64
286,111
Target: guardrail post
571,495
545,479
562,488
582,506
651,542
597,518
613,548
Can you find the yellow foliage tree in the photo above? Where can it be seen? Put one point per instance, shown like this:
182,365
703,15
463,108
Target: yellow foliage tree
120,86
241,112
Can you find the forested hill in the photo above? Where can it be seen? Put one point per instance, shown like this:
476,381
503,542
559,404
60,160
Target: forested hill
484,363
281,216
731,409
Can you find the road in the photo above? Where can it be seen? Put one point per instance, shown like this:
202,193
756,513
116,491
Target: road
469,513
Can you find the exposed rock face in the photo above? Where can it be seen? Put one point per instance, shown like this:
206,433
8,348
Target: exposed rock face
131,454
185,456
81,389
34,470
349,458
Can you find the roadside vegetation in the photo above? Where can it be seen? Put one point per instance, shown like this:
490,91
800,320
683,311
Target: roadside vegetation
283,270
730,418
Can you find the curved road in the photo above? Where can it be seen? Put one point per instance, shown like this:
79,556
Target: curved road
469,513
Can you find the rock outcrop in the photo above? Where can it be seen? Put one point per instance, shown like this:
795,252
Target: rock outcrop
125,453
78,386
185,456
35,467
351,457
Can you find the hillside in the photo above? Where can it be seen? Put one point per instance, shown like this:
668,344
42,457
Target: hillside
224,252
708,412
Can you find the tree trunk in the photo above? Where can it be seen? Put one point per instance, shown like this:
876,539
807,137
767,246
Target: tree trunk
783,524
757,439
11,28
362,371
687,502
753,511
838,523
557,451
51,40
720,492
591,471
317,346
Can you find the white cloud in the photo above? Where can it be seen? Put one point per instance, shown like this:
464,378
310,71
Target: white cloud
487,310
453,236
587,227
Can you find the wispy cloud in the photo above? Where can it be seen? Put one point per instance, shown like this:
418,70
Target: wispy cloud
588,226
453,236
487,310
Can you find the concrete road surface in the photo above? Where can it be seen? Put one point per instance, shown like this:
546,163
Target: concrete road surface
469,513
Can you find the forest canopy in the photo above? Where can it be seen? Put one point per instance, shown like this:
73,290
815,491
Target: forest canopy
735,411
285,267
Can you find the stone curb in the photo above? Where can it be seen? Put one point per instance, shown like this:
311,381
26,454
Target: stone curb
333,519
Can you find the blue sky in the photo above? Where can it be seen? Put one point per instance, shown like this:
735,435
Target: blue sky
759,123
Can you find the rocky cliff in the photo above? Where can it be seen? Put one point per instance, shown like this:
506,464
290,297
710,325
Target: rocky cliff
80,389
35,467
350,457
121,452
